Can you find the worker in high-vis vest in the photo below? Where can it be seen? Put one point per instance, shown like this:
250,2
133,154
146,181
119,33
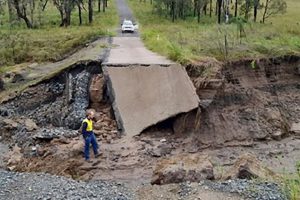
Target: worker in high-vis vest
89,136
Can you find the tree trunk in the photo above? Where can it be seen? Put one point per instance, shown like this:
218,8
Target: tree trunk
204,9
90,7
44,6
198,14
219,10
235,8
79,13
68,17
103,6
210,8
173,11
99,5
62,21
256,4
22,13
32,8
266,10
195,7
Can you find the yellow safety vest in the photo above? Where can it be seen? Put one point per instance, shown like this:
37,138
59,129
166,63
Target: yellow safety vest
89,124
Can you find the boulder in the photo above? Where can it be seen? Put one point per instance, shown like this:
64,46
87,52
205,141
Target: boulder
15,157
10,124
30,125
76,149
96,88
295,128
247,167
183,167
277,135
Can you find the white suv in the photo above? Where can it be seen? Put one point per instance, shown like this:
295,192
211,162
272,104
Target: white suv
127,26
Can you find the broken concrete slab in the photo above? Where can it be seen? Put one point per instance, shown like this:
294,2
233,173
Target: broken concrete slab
143,96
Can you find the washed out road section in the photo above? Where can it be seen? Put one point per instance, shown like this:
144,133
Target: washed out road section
144,96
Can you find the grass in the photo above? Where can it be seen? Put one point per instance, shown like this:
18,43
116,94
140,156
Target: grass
292,184
50,42
187,40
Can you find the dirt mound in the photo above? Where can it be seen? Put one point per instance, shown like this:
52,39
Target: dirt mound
247,102
182,168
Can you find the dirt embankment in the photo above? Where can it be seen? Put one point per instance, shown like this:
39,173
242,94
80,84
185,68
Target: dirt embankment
247,101
243,108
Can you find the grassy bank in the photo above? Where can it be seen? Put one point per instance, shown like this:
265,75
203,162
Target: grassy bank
50,42
187,40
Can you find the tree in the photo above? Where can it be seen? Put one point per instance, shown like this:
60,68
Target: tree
219,3
104,5
235,8
65,8
21,7
210,8
256,5
79,4
274,7
90,8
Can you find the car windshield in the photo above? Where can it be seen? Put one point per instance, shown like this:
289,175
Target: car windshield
128,23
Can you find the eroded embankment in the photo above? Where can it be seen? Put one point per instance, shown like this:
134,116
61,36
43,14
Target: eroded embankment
240,105
246,101
53,109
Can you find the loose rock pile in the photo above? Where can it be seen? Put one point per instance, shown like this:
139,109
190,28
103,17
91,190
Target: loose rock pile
49,134
105,127
44,186
60,102
252,189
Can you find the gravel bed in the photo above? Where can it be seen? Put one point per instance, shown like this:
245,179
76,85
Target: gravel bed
250,189
40,186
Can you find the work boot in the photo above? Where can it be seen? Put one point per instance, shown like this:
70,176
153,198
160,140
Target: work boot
89,161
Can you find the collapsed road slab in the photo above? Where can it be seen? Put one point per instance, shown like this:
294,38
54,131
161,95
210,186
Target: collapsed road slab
143,96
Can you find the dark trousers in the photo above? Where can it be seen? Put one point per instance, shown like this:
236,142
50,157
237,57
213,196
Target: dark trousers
88,140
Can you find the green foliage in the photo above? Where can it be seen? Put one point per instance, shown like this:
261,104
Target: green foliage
253,64
243,39
292,184
274,7
50,42
176,53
